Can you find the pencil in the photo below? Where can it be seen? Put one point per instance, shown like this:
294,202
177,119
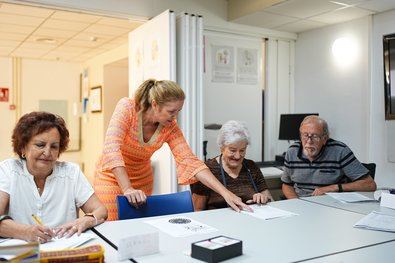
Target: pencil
37,220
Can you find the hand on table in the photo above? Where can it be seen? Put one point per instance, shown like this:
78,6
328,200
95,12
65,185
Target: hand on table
77,226
259,198
235,202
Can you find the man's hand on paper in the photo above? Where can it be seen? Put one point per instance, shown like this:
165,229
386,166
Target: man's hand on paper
324,189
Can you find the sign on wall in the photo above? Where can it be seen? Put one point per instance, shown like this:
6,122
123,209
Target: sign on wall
4,94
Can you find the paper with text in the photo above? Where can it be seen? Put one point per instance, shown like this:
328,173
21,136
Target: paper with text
63,243
350,197
268,212
179,226
377,221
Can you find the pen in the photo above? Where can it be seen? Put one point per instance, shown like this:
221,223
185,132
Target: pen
37,220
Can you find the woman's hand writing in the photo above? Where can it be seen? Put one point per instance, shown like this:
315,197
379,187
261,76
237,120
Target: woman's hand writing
38,233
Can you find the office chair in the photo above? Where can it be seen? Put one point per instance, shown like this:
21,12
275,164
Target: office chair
371,167
156,205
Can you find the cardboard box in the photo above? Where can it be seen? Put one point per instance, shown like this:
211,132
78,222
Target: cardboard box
217,249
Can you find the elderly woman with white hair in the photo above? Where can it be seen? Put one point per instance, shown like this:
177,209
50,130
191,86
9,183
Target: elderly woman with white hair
239,175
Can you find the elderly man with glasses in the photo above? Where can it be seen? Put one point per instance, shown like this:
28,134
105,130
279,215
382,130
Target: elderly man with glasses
318,164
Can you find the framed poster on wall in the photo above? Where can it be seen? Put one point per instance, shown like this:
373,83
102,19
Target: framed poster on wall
95,99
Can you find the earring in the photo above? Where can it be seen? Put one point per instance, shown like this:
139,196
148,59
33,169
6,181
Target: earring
23,156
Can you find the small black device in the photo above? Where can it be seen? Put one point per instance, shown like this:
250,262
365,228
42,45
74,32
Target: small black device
289,125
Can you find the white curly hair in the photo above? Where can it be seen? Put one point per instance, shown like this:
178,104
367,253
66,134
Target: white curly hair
232,132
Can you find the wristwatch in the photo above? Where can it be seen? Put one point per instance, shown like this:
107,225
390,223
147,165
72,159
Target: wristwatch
4,217
340,187
92,215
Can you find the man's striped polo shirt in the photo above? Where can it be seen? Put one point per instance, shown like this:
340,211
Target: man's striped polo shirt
334,164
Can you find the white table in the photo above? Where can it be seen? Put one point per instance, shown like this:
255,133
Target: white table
360,207
317,231
383,252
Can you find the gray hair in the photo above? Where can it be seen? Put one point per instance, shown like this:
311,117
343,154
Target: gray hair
316,119
232,132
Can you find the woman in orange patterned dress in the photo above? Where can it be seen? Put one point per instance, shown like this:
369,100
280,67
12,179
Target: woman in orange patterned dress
138,128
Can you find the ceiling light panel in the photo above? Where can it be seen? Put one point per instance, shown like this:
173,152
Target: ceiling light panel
303,8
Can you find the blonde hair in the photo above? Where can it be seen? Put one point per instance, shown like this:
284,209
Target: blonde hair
161,91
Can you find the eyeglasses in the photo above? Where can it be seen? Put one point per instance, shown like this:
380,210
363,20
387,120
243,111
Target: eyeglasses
313,137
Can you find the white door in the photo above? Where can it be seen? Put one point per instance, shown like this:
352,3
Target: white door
152,55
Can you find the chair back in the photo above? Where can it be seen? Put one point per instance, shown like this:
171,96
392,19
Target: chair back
371,167
156,205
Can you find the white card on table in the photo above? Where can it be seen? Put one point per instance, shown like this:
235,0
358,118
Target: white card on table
138,245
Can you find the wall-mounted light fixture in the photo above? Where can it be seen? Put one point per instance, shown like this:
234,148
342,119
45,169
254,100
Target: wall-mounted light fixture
345,51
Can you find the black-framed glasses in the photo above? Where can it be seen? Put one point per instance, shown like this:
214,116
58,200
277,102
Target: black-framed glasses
313,137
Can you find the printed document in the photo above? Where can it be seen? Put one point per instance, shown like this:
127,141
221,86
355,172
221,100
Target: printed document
267,212
180,226
350,197
377,221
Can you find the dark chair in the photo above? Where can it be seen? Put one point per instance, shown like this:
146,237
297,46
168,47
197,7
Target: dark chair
156,205
371,167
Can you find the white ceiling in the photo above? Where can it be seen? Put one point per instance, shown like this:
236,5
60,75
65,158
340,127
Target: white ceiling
301,15
77,36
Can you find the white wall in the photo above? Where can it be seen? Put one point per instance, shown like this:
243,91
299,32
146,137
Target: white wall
339,95
40,80
382,132
233,101
116,81
7,116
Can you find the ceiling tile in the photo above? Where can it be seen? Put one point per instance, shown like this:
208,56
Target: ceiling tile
341,15
125,23
20,20
28,53
303,8
80,43
65,25
12,36
5,50
37,45
85,36
16,29
25,10
76,50
300,26
348,2
75,17
9,43
264,19
54,33
106,30
378,5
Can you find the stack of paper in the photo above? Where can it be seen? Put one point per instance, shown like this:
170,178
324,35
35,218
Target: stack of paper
350,197
377,221
63,243
267,212
22,252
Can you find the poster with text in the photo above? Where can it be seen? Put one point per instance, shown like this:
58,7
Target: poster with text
223,63
247,66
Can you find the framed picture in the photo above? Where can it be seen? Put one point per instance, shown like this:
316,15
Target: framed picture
95,99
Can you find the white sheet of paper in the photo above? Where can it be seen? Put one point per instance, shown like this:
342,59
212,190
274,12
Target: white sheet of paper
180,226
71,242
350,197
12,242
268,212
377,221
